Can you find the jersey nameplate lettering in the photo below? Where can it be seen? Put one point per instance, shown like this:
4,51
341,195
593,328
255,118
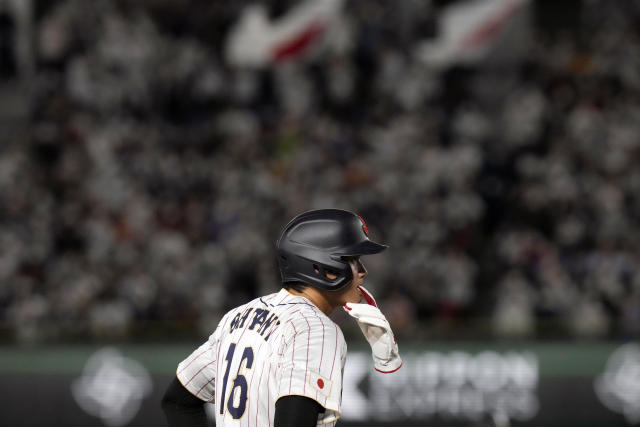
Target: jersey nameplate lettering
259,320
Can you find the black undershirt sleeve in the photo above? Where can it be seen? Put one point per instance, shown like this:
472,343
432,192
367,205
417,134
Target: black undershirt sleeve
297,411
181,408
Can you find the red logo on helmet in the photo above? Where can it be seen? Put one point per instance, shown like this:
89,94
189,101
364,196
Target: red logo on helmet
364,226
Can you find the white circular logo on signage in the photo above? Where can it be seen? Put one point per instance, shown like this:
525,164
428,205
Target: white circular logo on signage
112,387
618,388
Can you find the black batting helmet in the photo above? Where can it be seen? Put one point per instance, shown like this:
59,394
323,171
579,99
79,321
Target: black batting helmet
317,242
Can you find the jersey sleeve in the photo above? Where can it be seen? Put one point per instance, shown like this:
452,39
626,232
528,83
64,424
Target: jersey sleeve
197,372
311,363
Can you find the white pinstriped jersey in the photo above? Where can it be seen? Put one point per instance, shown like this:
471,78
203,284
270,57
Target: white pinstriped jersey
273,346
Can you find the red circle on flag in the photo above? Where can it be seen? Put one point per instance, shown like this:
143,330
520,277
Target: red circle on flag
320,383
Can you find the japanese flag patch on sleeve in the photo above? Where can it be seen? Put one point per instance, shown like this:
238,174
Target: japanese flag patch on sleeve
320,384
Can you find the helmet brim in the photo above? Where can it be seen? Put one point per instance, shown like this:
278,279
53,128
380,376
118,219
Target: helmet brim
366,247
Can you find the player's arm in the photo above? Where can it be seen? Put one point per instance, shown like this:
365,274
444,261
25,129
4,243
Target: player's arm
194,384
311,363
296,411
181,408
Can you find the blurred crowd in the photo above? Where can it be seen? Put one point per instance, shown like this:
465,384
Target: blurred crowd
153,179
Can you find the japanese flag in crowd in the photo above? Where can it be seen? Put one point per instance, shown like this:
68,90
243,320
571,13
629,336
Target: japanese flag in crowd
473,31
257,41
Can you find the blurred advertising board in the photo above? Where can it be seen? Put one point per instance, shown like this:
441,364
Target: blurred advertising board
453,384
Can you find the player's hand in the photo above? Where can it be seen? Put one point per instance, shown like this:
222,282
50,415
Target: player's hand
377,331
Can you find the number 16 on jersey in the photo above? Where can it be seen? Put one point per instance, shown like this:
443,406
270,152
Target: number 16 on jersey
240,381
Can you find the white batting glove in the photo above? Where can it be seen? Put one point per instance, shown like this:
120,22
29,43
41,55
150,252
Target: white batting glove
377,331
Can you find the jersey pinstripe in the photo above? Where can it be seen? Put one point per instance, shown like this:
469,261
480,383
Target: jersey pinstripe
273,346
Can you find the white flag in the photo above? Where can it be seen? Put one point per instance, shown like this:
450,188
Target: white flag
256,41
474,30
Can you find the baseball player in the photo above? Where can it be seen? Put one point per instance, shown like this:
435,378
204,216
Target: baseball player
278,360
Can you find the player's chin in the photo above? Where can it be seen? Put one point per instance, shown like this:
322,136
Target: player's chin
353,300
354,296
350,293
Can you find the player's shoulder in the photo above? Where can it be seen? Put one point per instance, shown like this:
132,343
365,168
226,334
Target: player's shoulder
311,326
309,316
310,319
294,314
